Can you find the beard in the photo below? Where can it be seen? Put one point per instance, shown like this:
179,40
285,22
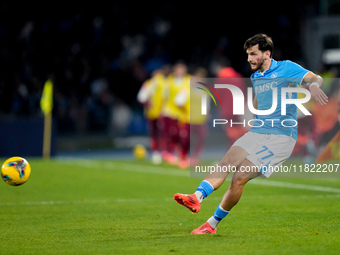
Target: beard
257,66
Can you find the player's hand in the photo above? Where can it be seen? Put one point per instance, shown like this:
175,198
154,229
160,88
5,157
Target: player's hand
318,95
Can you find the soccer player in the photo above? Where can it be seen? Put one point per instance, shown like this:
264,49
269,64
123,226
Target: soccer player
261,146
171,112
198,122
150,95
225,71
182,101
191,122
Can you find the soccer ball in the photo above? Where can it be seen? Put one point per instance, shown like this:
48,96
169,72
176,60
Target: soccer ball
139,151
15,171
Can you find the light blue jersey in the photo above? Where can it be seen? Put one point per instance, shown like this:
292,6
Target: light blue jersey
281,74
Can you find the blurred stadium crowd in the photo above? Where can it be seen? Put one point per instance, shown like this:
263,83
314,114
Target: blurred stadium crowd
99,55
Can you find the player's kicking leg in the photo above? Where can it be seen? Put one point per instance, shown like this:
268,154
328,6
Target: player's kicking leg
270,150
230,198
234,157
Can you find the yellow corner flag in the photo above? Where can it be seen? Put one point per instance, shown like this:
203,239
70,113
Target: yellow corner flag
46,104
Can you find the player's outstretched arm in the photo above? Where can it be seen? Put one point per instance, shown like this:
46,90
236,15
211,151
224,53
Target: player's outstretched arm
314,83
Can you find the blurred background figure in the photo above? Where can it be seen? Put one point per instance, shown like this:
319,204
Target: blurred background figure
317,130
151,96
198,127
331,151
178,80
226,74
182,101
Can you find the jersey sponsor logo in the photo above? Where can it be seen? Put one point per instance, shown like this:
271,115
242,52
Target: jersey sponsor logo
265,87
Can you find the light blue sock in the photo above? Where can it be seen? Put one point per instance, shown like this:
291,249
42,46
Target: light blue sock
205,188
219,214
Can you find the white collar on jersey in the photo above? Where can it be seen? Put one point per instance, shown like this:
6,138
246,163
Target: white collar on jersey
272,64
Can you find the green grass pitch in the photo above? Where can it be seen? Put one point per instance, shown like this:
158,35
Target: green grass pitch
127,207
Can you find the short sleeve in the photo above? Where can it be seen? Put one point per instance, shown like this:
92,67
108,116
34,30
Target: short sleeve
295,72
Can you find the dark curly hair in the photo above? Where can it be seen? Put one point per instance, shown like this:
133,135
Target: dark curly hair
264,41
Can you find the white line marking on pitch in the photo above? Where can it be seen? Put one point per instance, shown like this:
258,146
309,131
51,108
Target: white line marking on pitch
295,186
78,202
174,172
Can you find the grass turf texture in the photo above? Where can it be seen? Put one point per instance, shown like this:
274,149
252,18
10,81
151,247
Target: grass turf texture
127,207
